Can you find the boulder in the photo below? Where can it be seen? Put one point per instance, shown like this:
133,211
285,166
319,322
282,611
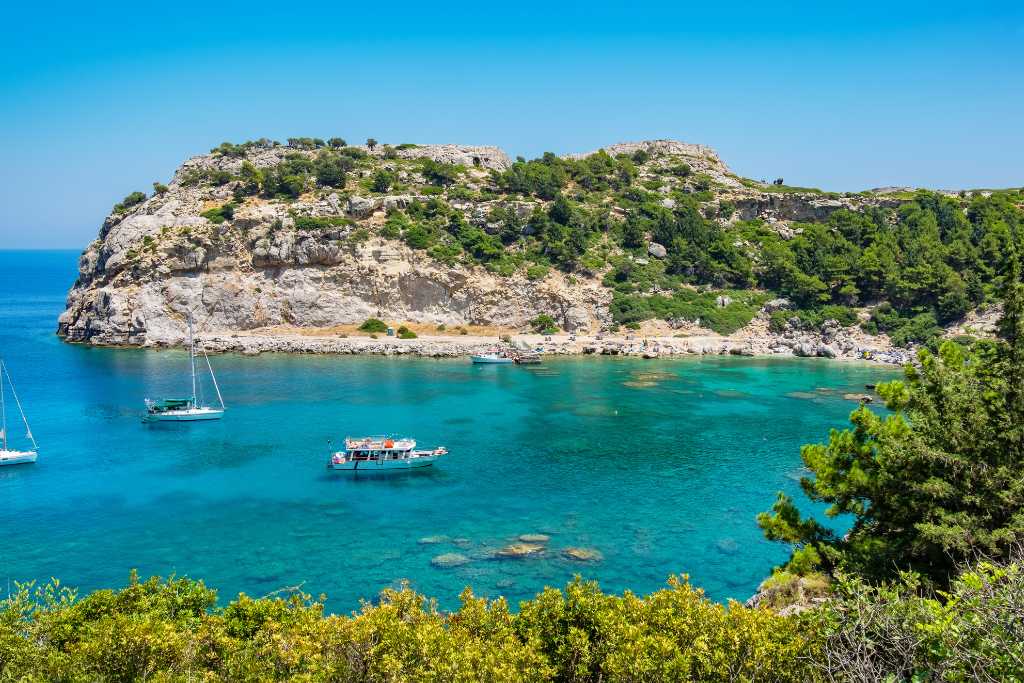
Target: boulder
534,538
448,560
361,207
519,550
656,250
582,554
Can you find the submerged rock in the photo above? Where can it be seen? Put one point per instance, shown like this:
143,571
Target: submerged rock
519,550
582,554
727,546
534,538
431,540
449,560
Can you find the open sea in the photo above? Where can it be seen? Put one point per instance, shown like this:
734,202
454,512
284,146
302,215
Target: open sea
660,466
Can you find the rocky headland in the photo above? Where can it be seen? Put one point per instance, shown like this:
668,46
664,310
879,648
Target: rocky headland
274,247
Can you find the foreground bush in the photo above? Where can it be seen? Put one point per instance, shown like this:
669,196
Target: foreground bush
171,630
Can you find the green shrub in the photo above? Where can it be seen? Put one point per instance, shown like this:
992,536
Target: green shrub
537,272
219,214
133,199
158,187
405,333
544,324
382,181
315,223
686,304
373,325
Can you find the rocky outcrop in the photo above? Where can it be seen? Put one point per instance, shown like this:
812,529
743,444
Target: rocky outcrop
325,259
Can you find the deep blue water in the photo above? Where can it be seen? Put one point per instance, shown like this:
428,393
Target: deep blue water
659,465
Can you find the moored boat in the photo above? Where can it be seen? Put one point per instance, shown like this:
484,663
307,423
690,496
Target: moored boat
492,357
189,409
11,456
378,453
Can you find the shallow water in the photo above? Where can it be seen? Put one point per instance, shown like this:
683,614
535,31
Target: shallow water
660,466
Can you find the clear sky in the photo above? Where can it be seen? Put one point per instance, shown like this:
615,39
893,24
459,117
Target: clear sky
99,99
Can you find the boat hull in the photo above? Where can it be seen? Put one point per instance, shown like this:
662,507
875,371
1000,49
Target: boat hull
185,415
490,360
383,465
17,457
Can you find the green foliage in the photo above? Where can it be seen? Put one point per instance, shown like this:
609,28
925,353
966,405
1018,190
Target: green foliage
319,223
373,325
133,199
172,630
330,169
219,214
337,142
306,143
537,271
158,187
899,632
438,173
382,181
371,143
405,333
544,324
690,305
935,482
813,319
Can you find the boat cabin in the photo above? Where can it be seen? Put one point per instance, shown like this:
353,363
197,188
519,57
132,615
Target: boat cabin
382,448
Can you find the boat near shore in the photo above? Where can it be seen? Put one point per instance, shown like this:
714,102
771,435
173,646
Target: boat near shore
12,456
493,357
189,409
381,453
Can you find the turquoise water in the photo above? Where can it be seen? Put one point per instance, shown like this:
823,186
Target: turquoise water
660,466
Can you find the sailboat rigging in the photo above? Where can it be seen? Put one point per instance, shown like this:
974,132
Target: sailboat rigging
192,408
8,455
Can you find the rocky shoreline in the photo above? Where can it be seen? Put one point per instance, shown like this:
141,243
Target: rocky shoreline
841,347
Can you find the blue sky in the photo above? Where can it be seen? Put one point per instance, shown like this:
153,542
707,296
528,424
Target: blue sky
95,103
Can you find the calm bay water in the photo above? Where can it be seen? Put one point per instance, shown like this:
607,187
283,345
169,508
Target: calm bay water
661,466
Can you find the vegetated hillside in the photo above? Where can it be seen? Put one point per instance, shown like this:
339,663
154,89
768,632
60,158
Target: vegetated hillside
314,234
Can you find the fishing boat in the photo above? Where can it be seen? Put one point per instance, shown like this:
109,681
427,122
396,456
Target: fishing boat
493,356
379,453
8,455
189,409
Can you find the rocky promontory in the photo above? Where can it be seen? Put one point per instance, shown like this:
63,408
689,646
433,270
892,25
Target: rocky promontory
312,235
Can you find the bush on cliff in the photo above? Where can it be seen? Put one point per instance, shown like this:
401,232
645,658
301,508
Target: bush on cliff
133,199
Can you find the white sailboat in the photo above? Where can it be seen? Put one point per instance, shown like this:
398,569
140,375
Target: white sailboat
9,456
187,409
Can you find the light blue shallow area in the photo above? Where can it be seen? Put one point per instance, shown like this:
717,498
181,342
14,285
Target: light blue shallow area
660,466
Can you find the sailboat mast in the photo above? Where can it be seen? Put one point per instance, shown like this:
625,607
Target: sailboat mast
192,357
3,406
21,411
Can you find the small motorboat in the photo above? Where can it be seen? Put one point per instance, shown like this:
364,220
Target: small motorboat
11,456
380,453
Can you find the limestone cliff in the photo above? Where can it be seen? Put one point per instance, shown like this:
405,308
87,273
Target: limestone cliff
241,260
